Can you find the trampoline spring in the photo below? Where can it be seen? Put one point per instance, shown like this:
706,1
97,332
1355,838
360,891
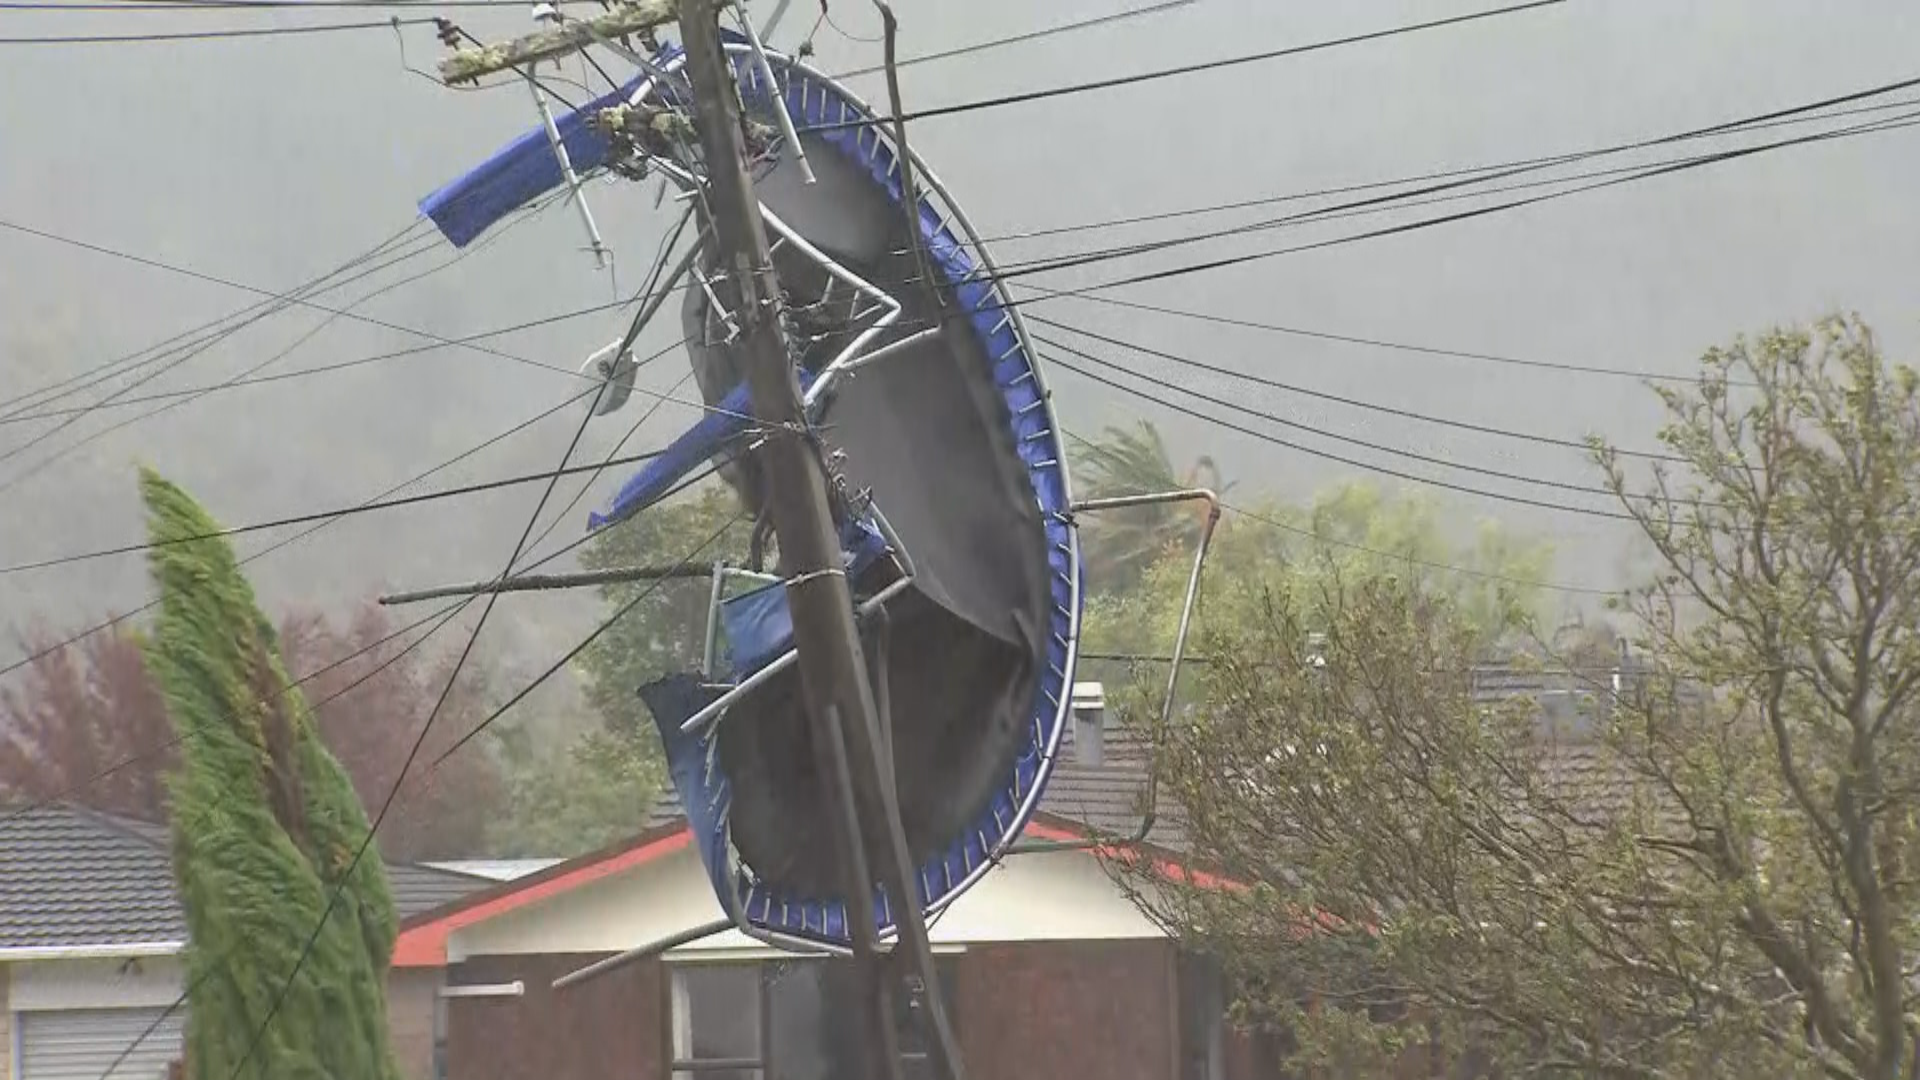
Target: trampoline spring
1025,376
1030,406
1009,351
1046,463
1043,433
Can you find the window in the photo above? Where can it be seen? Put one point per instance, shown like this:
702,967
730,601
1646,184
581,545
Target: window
779,1020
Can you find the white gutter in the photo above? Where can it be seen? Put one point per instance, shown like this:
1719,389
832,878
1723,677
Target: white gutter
129,949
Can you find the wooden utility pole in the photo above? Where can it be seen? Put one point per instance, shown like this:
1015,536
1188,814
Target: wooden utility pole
833,673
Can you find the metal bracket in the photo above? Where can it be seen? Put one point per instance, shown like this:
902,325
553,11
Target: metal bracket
1094,506
574,183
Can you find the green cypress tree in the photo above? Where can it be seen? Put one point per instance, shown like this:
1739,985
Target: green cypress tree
265,827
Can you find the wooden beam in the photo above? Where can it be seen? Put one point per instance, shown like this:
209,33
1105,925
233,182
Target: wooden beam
631,17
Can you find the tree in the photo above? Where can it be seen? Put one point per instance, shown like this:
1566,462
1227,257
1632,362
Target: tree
1720,883
1121,544
1350,532
87,725
601,787
369,710
265,828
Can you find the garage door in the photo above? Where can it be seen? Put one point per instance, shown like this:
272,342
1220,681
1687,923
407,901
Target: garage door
80,1044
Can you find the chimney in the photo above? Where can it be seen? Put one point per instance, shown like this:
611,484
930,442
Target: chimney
1088,707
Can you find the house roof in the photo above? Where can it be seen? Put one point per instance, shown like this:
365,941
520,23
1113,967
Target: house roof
75,877
81,878
1083,800
1103,793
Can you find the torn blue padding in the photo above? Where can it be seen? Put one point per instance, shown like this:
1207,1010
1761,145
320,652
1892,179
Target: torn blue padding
521,171
722,423
758,624
694,765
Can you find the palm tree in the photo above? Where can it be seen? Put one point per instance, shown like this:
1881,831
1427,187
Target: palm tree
1121,545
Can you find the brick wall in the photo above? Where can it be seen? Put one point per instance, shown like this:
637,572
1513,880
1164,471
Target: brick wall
410,1004
608,1028
1072,1010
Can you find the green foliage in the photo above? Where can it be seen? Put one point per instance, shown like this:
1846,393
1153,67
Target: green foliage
1718,881
265,827
1120,545
583,796
664,632
574,798
1351,533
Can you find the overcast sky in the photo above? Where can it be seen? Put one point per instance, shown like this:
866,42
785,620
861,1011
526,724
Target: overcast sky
267,161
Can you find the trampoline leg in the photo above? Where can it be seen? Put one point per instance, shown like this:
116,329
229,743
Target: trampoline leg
1139,835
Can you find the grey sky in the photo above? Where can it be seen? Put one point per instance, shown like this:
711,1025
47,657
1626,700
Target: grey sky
267,161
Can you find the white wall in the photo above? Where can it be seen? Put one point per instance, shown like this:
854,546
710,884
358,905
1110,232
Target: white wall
93,984
1050,897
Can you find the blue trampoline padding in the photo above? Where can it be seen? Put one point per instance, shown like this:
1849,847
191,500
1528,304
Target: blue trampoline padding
695,768
759,625
708,436
526,168
820,105
521,171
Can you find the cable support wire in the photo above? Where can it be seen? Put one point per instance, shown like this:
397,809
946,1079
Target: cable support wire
250,372
1308,450
355,316
1354,403
1180,70
1320,538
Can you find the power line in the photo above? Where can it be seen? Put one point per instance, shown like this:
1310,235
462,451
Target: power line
337,513
395,489
1378,448
605,625
1891,124
1370,342
1356,403
145,7
527,214
188,399
368,320
343,365
450,611
213,35
180,737
1320,538
1019,39
1328,455
653,281
100,372
1396,201
413,752
1503,168
1182,70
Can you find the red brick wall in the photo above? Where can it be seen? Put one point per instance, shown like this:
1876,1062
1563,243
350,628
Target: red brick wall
608,1028
1073,1010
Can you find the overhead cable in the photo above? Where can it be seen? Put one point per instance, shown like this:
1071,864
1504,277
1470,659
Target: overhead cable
304,533
1184,69
1329,455
413,752
1355,403
212,35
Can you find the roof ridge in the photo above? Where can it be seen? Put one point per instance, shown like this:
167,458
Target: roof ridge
123,824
